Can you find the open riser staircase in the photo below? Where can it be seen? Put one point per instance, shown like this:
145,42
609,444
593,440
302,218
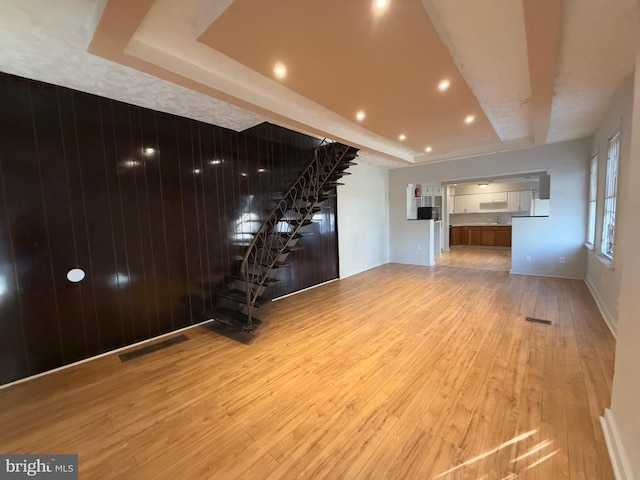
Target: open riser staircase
279,235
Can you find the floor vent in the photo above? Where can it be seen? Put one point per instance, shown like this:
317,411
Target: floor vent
538,320
125,357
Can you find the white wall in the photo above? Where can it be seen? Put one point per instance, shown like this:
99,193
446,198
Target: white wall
562,234
604,277
622,421
363,219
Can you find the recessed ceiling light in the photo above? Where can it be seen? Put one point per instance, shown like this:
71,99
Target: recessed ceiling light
148,151
360,116
243,174
381,3
197,171
443,85
402,137
280,70
262,170
131,163
215,161
469,119
428,149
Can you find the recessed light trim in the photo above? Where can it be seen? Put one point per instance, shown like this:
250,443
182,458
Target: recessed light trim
469,119
444,85
280,70
428,149
402,137
360,116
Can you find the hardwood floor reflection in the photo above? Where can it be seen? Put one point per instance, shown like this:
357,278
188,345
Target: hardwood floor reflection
401,372
470,257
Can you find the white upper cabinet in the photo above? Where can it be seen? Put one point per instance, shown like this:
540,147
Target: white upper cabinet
514,201
473,203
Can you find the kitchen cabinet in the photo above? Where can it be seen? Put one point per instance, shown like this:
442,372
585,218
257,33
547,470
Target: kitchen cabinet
475,235
496,202
464,235
519,201
513,202
473,203
498,197
455,235
503,237
432,197
525,201
481,235
466,204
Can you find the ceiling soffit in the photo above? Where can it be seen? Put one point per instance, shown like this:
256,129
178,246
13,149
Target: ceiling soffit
349,58
491,43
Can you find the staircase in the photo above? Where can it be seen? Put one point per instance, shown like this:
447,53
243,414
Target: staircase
278,237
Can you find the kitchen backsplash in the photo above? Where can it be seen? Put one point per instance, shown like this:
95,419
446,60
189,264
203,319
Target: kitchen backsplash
474,218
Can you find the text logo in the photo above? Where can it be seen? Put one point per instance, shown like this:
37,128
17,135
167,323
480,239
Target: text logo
49,467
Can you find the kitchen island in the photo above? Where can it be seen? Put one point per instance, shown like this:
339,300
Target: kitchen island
483,234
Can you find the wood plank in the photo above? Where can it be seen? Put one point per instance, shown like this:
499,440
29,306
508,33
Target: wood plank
398,372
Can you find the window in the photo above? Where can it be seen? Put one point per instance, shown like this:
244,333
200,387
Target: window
593,194
611,187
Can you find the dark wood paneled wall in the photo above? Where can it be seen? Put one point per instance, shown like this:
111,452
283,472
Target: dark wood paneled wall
157,232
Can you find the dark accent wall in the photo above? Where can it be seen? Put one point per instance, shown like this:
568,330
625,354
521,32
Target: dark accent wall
158,233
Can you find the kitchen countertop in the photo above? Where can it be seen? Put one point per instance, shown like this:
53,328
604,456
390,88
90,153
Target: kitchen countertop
467,224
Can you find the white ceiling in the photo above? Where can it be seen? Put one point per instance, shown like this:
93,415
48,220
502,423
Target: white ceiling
487,41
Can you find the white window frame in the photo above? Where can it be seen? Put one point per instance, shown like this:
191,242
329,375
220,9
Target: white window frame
593,197
610,196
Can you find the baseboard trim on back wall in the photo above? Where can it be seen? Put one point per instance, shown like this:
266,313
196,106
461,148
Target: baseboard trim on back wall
619,460
304,289
543,274
110,352
604,311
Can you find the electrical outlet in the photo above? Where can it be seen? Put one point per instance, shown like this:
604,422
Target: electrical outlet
527,258
561,260
419,246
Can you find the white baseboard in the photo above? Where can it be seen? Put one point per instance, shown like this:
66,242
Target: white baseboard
304,289
619,459
543,274
604,311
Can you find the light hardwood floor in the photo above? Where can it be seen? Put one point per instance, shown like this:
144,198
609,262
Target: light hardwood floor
401,372
477,257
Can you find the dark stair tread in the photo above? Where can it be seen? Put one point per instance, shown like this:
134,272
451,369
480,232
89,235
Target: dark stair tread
275,265
232,319
280,249
302,223
241,297
294,236
253,280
